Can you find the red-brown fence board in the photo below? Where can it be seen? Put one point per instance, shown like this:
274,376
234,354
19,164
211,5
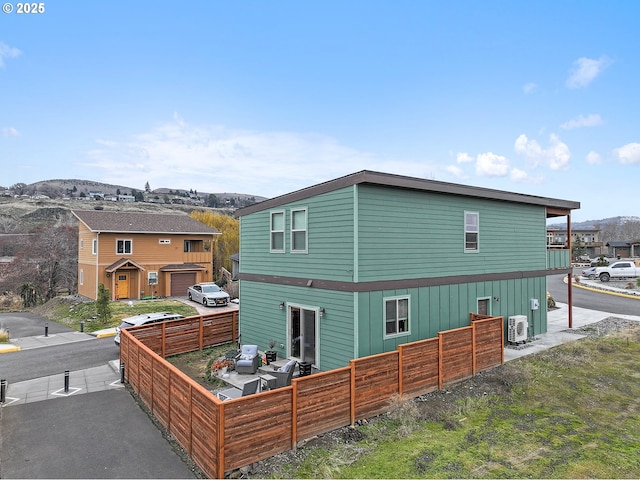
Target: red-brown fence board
204,429
456,355
180,403
145,375
323,402
257,426
222,436
489,339
420,367
161,392
376,381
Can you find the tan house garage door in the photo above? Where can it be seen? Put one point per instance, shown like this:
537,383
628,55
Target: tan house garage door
180,282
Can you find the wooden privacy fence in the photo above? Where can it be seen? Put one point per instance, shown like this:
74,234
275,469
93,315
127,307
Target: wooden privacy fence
223,436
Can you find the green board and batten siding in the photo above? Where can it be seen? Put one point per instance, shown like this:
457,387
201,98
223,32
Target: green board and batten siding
330,240
408,234
396,234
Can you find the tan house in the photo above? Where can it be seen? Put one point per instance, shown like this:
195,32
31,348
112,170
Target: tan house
138,255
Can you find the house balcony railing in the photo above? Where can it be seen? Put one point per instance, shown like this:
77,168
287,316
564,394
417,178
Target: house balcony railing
558,258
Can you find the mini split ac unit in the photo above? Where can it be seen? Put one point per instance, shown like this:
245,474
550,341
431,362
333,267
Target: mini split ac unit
518,326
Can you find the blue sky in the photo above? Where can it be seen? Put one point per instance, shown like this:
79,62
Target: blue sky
266,97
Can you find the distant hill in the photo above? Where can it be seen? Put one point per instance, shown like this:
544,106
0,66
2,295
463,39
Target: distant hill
595,224
59,187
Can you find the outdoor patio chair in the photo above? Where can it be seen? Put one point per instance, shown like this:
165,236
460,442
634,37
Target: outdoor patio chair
247,360
284,374
249,388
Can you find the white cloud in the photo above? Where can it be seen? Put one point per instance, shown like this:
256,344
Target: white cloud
456,171
518,175
593,158
585,70
491,165
592,120
214,158
463,157
10,132
556,156
529,88
7,52
628,154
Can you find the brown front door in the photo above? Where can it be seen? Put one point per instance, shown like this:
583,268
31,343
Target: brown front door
122,286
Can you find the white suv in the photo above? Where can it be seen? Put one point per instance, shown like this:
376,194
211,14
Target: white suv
143,319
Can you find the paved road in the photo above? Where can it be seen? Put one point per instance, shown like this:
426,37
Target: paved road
602,302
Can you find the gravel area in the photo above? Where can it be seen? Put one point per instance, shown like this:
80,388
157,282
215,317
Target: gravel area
605,327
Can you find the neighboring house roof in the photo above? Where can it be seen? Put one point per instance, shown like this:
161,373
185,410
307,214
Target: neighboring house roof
621,244
181,266
123,262
411,183
130,222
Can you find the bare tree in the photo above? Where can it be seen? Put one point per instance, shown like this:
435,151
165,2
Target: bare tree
47,260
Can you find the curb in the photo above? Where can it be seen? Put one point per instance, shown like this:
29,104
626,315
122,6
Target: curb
601,290
608,292
104,333
8,348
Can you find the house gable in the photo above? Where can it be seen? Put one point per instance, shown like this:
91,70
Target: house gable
139,255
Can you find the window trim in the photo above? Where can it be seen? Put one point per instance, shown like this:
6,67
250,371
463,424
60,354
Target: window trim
155,277
94,246
273,231
305,230
396,298
124,243
468,230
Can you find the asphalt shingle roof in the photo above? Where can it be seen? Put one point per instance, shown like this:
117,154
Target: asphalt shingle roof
133,222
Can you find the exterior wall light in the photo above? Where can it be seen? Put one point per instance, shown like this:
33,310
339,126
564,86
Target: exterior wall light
281,305
321,312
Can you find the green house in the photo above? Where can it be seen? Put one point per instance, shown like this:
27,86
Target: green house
358,265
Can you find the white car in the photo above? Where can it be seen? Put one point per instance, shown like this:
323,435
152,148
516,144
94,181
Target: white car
143,319
208,293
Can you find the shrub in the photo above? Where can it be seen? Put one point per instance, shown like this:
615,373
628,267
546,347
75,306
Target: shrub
551,303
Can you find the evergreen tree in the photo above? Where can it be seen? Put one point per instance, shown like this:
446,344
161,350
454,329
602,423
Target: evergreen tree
103,308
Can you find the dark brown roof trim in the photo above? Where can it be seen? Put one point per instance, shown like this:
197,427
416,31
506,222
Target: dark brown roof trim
181,267
400,181
392,284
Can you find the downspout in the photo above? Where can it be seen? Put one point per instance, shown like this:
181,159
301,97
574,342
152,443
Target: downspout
569,276
354,274
97,260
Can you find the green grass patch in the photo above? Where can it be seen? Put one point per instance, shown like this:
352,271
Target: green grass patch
4,336
570,412
72,313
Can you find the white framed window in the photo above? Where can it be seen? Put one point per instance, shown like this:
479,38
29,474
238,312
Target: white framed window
471,232
396,316
81,279
81,243
94,246
299,230
153,278
164,241
277,232
124,247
